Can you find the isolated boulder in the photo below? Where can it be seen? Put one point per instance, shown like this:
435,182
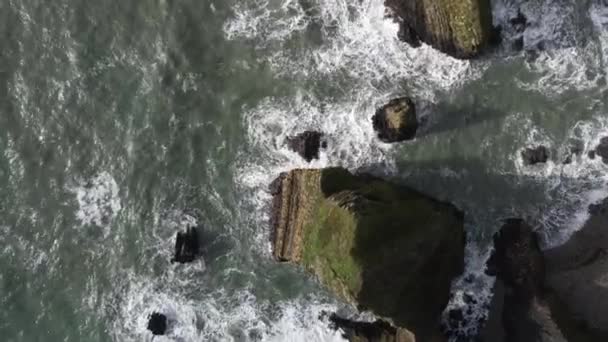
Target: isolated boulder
186,246
396,121
307,144
157,323
377,245
535,155
460,28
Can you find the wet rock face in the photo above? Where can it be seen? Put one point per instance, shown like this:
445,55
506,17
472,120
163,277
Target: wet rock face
307,144
460,28
523,312
157,323
186,246
536,155
517,258
396,121
602,149
378,331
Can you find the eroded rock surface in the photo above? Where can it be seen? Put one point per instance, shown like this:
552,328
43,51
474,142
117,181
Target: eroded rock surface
535,155
307,144
461,28
396,121
518,264
378,331
186,246
377,245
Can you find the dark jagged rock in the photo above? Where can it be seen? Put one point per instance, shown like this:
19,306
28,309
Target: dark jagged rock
396,121
460,28
186,246
576,278
602,149
519,23
307,144
518,264
157,323
378,331
536,155
357,234
517,258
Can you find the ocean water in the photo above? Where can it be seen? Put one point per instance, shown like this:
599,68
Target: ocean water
122,122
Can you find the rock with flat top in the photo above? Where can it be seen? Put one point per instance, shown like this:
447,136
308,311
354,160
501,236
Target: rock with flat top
460,28
377,245
396,121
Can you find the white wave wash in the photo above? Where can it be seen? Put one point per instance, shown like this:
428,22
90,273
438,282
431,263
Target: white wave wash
98,200
358,42
217,316
568,58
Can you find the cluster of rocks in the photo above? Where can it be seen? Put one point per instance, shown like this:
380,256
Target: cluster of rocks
187,249
393,251
540,154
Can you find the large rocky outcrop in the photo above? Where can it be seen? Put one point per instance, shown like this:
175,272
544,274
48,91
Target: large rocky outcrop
557,295
461,28
377,245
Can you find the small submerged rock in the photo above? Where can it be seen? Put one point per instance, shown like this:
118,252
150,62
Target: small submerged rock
186,246
602,149
157,323
396,121
307,144
535,155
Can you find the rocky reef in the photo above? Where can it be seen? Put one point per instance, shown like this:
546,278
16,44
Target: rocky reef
460,28
377,245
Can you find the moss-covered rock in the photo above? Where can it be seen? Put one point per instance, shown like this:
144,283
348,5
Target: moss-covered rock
396,121
461,28
377,245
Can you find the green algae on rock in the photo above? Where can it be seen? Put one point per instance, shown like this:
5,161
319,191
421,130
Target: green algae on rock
377,245
396,121
460,28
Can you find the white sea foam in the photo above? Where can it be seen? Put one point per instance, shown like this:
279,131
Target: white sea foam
569,56
217,316
98,199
